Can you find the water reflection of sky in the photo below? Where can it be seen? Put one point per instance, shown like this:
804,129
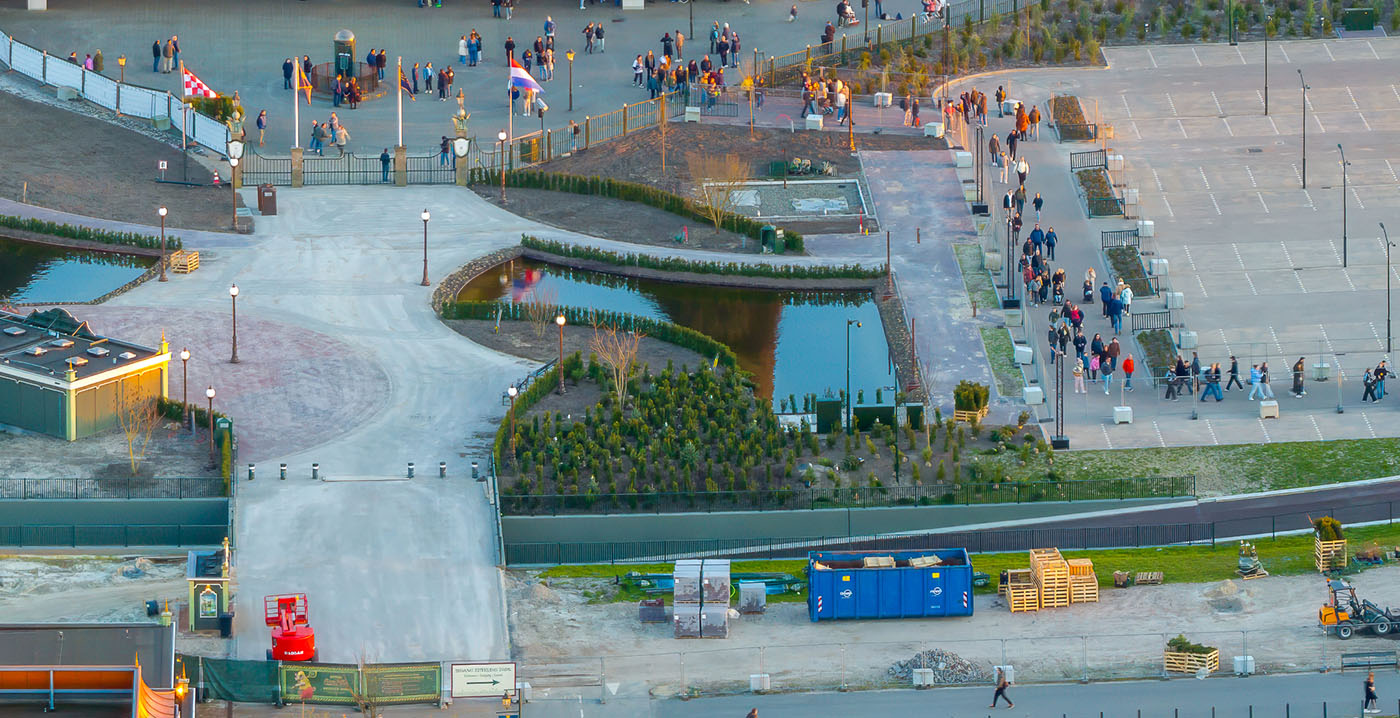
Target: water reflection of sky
38,273
792,342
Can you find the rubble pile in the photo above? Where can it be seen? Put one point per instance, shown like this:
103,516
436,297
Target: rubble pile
948,668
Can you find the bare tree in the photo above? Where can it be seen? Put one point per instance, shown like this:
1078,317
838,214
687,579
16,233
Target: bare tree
717,178
137,416
618,352
539,309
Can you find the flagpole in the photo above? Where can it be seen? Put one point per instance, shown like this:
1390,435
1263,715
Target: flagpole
510,121
398,83
184,117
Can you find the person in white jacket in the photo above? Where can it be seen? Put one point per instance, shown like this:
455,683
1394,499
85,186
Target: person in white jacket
462,50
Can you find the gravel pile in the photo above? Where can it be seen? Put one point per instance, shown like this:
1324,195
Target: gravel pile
948,668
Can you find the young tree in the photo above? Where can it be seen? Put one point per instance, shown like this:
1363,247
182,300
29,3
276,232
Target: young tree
540,309
717,178
618,352
137,416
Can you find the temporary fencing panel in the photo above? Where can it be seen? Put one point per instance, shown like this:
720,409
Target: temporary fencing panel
100,89
28,61
62,73
231,680
5,48
208,132
140,102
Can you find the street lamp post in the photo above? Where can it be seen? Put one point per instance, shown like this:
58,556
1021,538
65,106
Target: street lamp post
501,138
235,153
849,322
121,62
185,388
570,55
512,392
1230,15
233,298
1345,164
559,368
1388,245
425,217
1304,84
162,212
1267,19
210,393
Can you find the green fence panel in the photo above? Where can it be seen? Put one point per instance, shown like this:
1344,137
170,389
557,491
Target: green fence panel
231,680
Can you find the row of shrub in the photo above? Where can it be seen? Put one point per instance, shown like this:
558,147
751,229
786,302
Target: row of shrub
175,411
683,337
526,399
628,192
68,231
677,264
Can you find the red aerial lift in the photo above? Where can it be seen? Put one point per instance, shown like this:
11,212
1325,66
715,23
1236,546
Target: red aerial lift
293,639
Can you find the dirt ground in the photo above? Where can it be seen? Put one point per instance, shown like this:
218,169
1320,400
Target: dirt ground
89,166
171,453
1273,619
86,588
615,219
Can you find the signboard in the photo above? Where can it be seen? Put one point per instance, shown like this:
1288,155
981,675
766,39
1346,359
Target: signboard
482,680
404,682
318,683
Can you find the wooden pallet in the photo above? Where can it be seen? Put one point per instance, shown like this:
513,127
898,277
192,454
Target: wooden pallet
1148,578
970,416
879,562
1084,589
1191,662
1016,577
1261,573
1021,597
182,262
1080,567
1329,555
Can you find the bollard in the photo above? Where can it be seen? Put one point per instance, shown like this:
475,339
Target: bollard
282,468
442,469
918,235
250,472
315,471
474,474
410,469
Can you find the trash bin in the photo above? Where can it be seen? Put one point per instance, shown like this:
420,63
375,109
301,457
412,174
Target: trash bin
226,625
779,242
267,200
766,234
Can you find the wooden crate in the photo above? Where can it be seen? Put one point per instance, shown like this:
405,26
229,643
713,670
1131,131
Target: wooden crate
1084,589
1329,555
970,416
1054,596
879,562
1016,577
1080,567
182,262
1043,554
1191,662
1022,597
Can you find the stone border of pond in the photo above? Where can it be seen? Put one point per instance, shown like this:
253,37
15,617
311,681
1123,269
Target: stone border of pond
20,235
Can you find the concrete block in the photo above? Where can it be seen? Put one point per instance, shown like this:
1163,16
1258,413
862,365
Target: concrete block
1186,339
1158,266
962,159
1115,163
992,261
884,99
633,4
1175,300
161,123
38,5
1322,371
933,129
1122,414
1033,395
814,122
760,682
1023,354
692,114
1146,228
68,93
1130,195
1268,409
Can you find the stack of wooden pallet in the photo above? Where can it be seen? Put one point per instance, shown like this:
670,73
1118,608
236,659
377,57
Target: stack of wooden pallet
1021,591
1083,584
1051,577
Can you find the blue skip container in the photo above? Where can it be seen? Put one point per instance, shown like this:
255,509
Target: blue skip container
840,586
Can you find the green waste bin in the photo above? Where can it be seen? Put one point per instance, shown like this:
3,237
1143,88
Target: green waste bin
766,234
779,243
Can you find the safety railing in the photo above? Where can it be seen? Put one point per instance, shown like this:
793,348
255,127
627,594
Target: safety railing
1111,238
72,536
1088,160
165,488
1148,321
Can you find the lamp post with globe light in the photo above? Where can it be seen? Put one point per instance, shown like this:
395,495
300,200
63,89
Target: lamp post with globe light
512,392
210,393
185,388
233,298
425,217
559,368
235,153
570,55
162,212
501,137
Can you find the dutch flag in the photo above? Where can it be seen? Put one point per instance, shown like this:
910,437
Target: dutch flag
520,78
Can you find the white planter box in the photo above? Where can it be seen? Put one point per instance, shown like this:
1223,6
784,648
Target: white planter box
1146,228
962,159
692,114
1175,300
933,129
884,99
1244,665
1268,409
38,4
1158,266
1023,354
1033,395
1122,414
633,4
814,122
1186,339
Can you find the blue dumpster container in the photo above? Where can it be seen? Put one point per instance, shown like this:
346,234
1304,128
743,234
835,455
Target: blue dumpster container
840,587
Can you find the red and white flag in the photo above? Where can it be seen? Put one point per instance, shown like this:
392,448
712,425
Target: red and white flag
195,87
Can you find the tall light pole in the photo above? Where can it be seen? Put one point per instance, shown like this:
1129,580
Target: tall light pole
162,212
210,393
570,55
511,392
1345,164
121,62
1230,14
559,368
1305,126
1388,245
501,139
849,322
233,298
425,217
185,388
235,153
1267,19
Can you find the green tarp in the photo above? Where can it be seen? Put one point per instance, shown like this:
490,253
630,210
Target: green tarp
230,680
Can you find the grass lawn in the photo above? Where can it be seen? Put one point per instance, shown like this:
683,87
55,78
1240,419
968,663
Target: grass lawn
1284,556
1001,355
975,279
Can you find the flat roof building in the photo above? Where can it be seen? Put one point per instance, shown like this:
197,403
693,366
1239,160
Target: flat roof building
58,377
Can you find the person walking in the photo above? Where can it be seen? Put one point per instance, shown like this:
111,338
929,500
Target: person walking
1002,684
342,137
599,40
1381,373
667,45
1050,241
1105,294
1128,366
1234,374
1036,204
287,69
1298,368
155,56
262,127
1022,169
1078,372
1370,694
384,165
1212,383
1369,381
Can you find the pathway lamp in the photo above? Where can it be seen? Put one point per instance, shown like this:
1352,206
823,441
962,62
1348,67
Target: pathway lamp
501,140
570,56
857,324
162,212
233,298
559,368
210,393
426,216
185,389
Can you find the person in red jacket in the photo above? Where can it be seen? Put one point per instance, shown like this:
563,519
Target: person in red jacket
1128,366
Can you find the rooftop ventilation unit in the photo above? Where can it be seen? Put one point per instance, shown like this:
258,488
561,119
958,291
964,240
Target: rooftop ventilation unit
61,343
127,355
98,351
36,351
14,331
76,361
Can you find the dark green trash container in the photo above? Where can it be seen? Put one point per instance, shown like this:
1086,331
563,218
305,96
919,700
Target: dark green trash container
779,243
766,234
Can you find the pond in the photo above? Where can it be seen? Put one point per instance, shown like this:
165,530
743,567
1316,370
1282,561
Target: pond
792,342
40,273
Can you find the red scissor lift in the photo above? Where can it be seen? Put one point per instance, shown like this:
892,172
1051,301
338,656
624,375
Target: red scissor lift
293,639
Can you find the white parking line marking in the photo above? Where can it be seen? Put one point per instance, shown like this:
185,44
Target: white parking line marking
1170,213
1160,440
1189,259
1320,128
1297,175
1198,57
1363,121
1126,108
1310,202
1107,441
1277,345
1211,429
1232,132
1252,290
1353,98
1259,95
1273,125
1264,429
1286,256
1157,179
1182,127
1204,181
1358,198
1150,57
1225,341
1252,183
1261,202
1238,258
1379,344
1204,293
1241,54
1368,45
1170,103
1368,425
1308,101
1393,177
1218,109
1329,52
1135,130
1395,90
1217,204
1284,50
1316,428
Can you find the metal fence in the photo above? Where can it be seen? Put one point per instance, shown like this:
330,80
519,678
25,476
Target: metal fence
345,169
1088,160
1111,238
1104,206
171,488
69,535
1148,321
946,494
119,97
258,169
431,169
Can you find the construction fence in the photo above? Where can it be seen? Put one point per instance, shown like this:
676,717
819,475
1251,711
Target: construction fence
280,683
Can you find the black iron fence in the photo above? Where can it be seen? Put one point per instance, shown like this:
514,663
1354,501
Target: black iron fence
1147,321
948,494
1077,132
1088,160
171,488
1119,238
70,535
258,170
342,169
432,169
1104,206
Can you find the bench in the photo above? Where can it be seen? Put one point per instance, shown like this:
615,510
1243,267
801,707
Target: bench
1369,659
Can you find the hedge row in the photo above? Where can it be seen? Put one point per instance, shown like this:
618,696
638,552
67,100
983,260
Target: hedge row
676,264
542,385
683,337
629,192
129,239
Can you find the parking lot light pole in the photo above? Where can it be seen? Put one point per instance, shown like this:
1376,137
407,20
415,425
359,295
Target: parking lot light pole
1344,203
1267,20
1388,245
1304,84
